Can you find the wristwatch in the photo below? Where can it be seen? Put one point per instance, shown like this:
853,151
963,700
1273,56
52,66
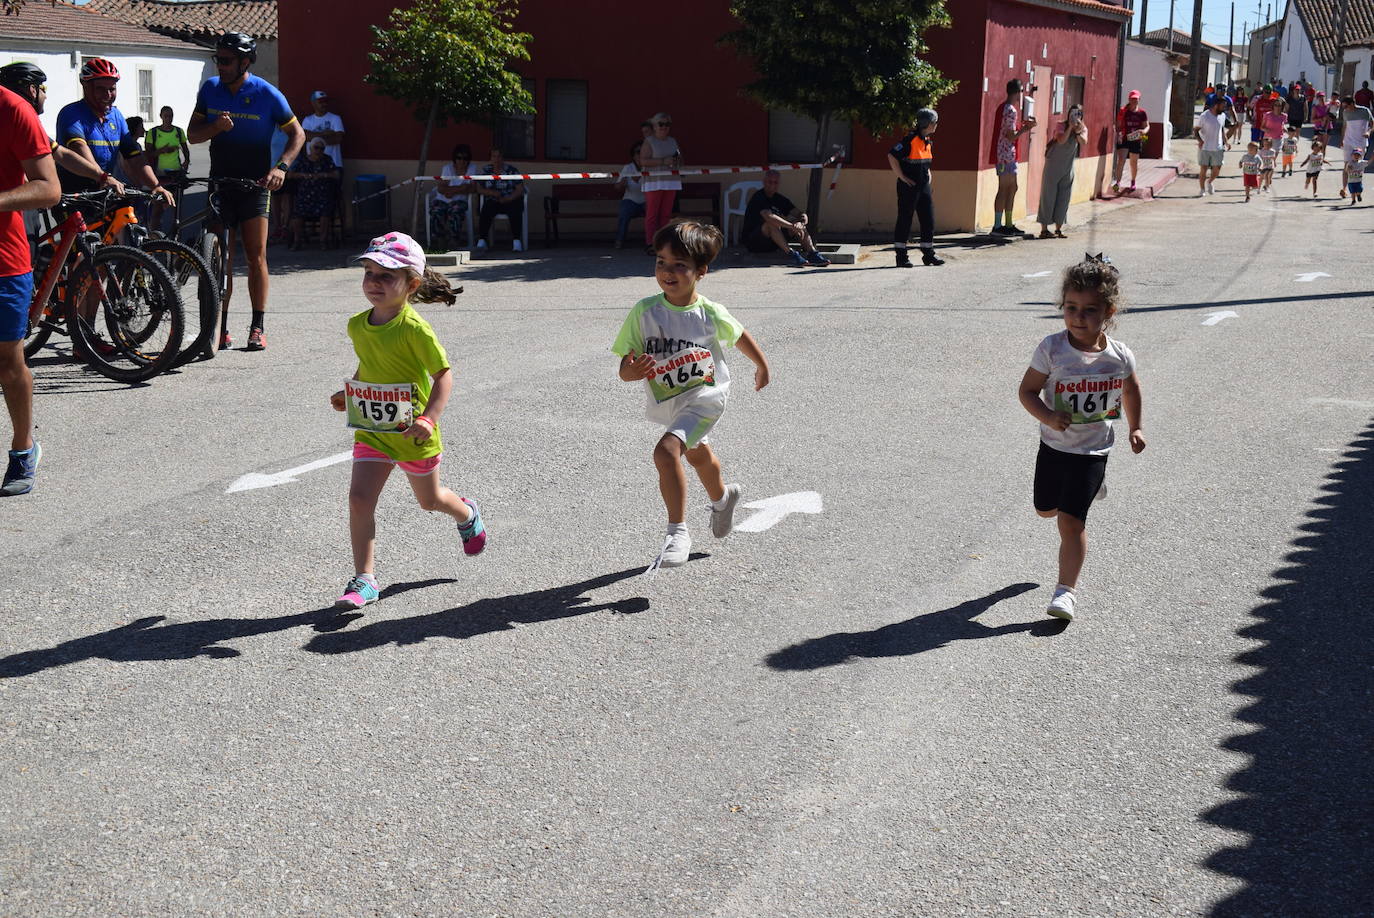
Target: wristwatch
283,166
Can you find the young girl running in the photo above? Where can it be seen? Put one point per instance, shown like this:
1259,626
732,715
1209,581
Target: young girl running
394,402
675,342
1313,165
1077,383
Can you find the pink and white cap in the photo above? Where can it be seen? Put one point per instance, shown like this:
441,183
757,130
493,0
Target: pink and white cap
396,250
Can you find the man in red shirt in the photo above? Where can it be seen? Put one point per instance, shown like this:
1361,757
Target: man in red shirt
1364,95
28,181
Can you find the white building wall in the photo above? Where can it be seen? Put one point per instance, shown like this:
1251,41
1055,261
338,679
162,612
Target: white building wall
176,79
1147,69
1296,58
1363,59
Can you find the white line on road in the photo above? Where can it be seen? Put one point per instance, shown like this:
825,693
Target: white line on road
772,510
1039,274
1343,402
258,480
1214,317
1310,277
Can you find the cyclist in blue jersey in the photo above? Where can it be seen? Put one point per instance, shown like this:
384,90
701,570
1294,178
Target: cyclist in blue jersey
30,83
95,129
238,112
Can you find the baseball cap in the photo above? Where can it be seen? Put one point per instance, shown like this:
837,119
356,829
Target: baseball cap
318,94
1133,94
395,250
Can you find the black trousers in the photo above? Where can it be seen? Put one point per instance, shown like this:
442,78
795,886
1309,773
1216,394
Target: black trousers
914,199
491,207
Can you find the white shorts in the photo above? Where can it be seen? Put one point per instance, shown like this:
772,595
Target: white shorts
692,425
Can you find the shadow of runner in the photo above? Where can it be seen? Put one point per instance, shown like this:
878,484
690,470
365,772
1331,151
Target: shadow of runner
915,635
144,640
1309,785
483,616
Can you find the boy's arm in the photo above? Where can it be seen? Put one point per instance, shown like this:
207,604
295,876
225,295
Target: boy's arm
1130,400
750,348
1028,394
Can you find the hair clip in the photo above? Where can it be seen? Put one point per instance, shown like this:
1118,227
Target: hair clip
1099,258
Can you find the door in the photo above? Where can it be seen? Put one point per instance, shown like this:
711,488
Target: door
1036,139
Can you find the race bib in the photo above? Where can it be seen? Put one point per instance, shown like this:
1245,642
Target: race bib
1089,399
381,407
1135,135
684,371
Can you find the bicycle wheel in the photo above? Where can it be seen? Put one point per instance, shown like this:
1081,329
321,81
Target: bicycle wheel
124,313
212,250
192,276
36,337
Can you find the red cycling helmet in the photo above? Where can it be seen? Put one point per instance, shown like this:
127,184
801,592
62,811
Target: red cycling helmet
97,68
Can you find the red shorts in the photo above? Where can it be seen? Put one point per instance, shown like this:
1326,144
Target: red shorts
1251,181
364,453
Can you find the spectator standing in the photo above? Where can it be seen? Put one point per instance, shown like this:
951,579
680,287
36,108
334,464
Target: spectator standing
660,151
501,197
1132,125
316,193
171,158
1364,95
326,125
632,197
770,217
1275,123
448,209
911,159
1056,187
28,181
1010,127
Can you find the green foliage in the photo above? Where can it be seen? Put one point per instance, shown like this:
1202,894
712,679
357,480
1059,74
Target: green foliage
12,7
854,59
455,53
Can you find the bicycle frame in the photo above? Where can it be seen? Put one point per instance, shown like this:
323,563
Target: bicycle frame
67,232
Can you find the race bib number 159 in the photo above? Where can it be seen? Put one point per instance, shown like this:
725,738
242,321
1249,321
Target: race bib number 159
382,407
1089,399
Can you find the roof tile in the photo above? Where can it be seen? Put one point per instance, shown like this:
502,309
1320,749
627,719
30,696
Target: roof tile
196,19
64,22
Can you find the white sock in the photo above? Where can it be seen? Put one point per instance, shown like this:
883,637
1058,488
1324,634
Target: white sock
720,504
368,577
675,528
1059,587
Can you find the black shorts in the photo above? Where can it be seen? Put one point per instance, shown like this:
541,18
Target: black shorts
1067,482
239,205
1132,146
758,243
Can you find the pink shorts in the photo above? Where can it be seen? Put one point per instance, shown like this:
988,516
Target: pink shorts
362,452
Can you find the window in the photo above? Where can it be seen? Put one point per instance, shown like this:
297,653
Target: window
565,119
145,95
514,134
792,138
1073,91
1057,96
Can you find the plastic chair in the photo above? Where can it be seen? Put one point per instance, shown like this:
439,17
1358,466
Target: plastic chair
746,191
475,202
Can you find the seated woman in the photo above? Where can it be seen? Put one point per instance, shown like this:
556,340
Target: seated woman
448,209
316,193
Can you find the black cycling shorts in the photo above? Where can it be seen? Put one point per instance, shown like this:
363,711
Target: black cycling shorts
1132,146
239,204
1067,482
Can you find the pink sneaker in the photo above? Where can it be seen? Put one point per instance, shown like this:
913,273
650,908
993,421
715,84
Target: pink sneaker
473,532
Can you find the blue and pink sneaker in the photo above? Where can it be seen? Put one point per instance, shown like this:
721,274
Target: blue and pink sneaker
473,532
360,591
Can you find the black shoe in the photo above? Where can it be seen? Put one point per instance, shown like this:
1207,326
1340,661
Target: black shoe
930,258
902,260
1013,230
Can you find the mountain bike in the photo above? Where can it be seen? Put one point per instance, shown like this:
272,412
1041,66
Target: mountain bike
211,242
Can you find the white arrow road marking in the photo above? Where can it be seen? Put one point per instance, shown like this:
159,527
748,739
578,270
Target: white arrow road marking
1310,277
1343,402
1039,274
258,480
772,510
1214,317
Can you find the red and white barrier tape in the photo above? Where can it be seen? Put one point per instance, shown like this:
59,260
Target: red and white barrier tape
836,180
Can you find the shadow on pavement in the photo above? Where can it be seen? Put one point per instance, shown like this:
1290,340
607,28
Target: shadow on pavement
913,636
484,616
1309,733
145,640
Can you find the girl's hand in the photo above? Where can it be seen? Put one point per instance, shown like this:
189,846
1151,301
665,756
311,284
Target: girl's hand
337,400
1137,440
420,430
1060,420
760,376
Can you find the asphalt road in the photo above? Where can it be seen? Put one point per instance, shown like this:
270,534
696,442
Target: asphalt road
857,712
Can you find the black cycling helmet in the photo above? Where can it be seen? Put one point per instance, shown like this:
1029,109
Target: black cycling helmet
241,44
20,74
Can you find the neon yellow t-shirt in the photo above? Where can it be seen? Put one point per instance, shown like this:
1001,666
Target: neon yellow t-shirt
404,350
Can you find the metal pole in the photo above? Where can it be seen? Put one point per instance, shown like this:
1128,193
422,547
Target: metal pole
1171,26
1230,42
1144,11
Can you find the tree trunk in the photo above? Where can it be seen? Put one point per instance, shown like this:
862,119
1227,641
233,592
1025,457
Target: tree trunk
421,189
813,187
1196,78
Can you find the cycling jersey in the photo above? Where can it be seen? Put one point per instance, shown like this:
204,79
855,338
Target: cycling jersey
105,135
258,108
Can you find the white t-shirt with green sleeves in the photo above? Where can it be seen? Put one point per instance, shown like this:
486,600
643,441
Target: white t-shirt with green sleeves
688,346
404,350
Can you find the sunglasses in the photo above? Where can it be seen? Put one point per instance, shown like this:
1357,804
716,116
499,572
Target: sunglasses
663,124
224,61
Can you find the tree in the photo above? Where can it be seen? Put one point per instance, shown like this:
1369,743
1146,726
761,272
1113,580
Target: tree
449,60
854,59
12,7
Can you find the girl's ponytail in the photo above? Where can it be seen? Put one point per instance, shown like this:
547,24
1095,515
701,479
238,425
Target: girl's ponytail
435,288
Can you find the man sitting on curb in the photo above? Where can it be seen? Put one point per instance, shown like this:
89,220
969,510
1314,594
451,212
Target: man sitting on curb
770,218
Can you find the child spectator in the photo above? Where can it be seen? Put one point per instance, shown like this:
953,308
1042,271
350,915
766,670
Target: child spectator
632,201
1267,156
1250,167
1313,165
1077,384
675,342
1289,150
1354,175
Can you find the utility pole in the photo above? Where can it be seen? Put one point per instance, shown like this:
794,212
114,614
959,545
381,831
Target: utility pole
1144,11
1171,26
1337,84
1230,42
1195,77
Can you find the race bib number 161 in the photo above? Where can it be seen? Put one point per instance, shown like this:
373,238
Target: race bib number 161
382,407
1089,399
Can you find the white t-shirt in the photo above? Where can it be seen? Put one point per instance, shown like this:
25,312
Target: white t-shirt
1314,163
633,183
659,149
1210,126
1356,123
1088,385
449,172
326,122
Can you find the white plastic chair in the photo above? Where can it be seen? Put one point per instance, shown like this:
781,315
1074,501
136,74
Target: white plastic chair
475,202
746,191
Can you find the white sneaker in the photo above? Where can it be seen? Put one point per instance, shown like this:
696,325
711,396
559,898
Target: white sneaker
1101,491
676,547
1211,188
1061,606
481,245
723,517
518,246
